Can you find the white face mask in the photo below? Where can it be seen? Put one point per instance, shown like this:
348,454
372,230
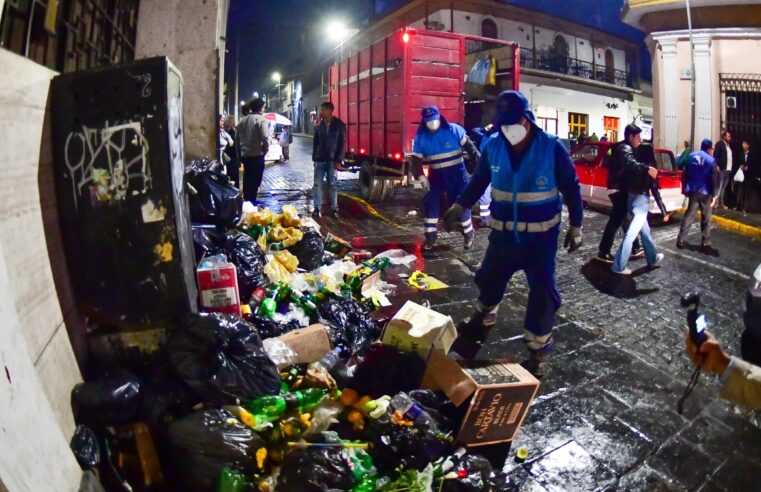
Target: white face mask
433,125
514,134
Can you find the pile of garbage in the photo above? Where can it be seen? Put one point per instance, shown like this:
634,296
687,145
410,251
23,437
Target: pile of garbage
289,382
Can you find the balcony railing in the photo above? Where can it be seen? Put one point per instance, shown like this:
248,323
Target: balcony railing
575,68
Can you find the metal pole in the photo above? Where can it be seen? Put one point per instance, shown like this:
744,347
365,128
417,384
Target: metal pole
692,78
237,68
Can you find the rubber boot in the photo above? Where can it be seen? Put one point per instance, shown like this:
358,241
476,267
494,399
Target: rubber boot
537,362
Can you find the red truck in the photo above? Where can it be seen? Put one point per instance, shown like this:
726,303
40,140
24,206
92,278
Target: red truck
379,91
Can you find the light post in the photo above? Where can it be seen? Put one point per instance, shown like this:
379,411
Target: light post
276,78
692,77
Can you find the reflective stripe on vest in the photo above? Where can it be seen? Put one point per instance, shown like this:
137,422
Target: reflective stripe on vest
499,225
507,196
446,159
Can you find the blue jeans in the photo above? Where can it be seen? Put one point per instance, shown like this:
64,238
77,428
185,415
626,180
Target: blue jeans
325,171
639,206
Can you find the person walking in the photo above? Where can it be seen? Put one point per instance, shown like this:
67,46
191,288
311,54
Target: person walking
328,155
529,169
744,174
231,159
684,157
701,183
253,141
438,145
618,195
640,179
285,140
722,152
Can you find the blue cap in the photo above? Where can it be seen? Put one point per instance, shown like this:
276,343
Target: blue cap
706,144
430,113
511,107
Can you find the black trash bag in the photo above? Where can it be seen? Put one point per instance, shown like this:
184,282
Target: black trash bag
409,447
111,400
316,469
165,399
481,477
249,260
348,323
438,406
207,241
269,328
380,370
213,200
309,250
84,445
205,442
222,358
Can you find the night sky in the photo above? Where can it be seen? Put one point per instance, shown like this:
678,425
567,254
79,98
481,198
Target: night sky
270,30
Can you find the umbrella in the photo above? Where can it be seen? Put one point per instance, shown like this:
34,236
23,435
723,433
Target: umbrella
277,118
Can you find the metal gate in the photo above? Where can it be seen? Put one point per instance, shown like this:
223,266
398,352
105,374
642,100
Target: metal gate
741,115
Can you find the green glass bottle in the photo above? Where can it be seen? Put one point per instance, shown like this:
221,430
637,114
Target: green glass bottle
231,481
269,408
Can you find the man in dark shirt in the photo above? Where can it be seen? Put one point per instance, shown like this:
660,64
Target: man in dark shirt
328,155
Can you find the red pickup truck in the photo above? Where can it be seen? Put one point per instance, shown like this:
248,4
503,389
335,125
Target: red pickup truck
591,162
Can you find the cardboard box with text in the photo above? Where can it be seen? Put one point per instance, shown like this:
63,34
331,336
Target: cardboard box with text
415,328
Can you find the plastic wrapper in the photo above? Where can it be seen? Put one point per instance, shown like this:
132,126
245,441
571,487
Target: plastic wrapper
295,314
380,370
290,217
222,358
480,477
84,445
111,400
289,261
314,469
279,352
349,324
398,257
288,236
205,442
249,260
213,200
309,250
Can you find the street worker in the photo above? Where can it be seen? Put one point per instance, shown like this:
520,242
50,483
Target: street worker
528,170
439,145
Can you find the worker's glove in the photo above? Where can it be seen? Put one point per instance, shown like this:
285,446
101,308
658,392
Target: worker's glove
452,216
422,182
573,239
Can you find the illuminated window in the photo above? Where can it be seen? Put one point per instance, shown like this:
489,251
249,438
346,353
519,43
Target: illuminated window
611,128
578,124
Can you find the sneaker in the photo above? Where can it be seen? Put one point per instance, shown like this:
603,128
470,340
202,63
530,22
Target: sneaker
625,271
658,260
316,213
605,257
637,254
469,241
681,244
429,244
334,213
478,324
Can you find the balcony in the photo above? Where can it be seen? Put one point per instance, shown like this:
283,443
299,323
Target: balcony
549,62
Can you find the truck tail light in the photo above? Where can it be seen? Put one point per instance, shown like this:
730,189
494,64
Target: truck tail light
406,37
398,156
363,151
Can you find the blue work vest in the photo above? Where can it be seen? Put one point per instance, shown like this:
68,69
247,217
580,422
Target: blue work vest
442,148
699,169
527,199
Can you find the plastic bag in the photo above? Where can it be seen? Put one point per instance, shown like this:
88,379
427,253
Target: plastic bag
381,370
249,260
398,257
165,399
295,314
286,235
309,250
279,352
290,217
222,358
262,217
401,446
277,272
213,200
207,241
349,324
289,261
478,476
268,328
111,400
312,469
84,445
207,441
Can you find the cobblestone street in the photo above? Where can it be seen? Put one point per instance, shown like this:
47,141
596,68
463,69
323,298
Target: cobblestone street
605,417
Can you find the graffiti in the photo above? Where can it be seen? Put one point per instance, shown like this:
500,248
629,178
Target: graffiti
145,79
110,162
176,147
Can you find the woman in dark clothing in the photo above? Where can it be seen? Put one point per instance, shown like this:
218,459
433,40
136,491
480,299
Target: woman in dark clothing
230,157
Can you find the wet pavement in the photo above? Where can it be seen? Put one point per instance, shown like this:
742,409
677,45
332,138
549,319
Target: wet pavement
606,414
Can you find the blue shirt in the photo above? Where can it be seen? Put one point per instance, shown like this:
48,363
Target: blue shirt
442,148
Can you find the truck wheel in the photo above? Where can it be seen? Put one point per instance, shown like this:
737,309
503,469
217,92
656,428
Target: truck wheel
389,189
370,187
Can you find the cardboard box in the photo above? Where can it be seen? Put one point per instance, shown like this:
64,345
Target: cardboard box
496,395
336,245
218,288
310,343
415,328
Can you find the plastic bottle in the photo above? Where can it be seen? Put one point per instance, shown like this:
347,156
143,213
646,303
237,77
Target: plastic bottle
407,406
328,361
268,408
268,305
231,481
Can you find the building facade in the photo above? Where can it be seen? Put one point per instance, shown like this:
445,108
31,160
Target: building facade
578,80
727,45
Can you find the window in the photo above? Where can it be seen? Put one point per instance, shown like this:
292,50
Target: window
610,70
578,125
610,124
585,155
547,119
68,35
489,29
665,161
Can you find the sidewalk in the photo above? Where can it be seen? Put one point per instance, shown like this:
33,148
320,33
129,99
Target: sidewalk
732,220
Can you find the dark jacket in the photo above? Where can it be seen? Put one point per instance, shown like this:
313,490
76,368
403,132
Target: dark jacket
720,154
701,176
329,141
754,166
625,172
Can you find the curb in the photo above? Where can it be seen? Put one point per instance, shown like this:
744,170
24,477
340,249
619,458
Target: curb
730,225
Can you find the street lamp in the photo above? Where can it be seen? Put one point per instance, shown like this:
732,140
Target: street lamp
337,31
276,78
